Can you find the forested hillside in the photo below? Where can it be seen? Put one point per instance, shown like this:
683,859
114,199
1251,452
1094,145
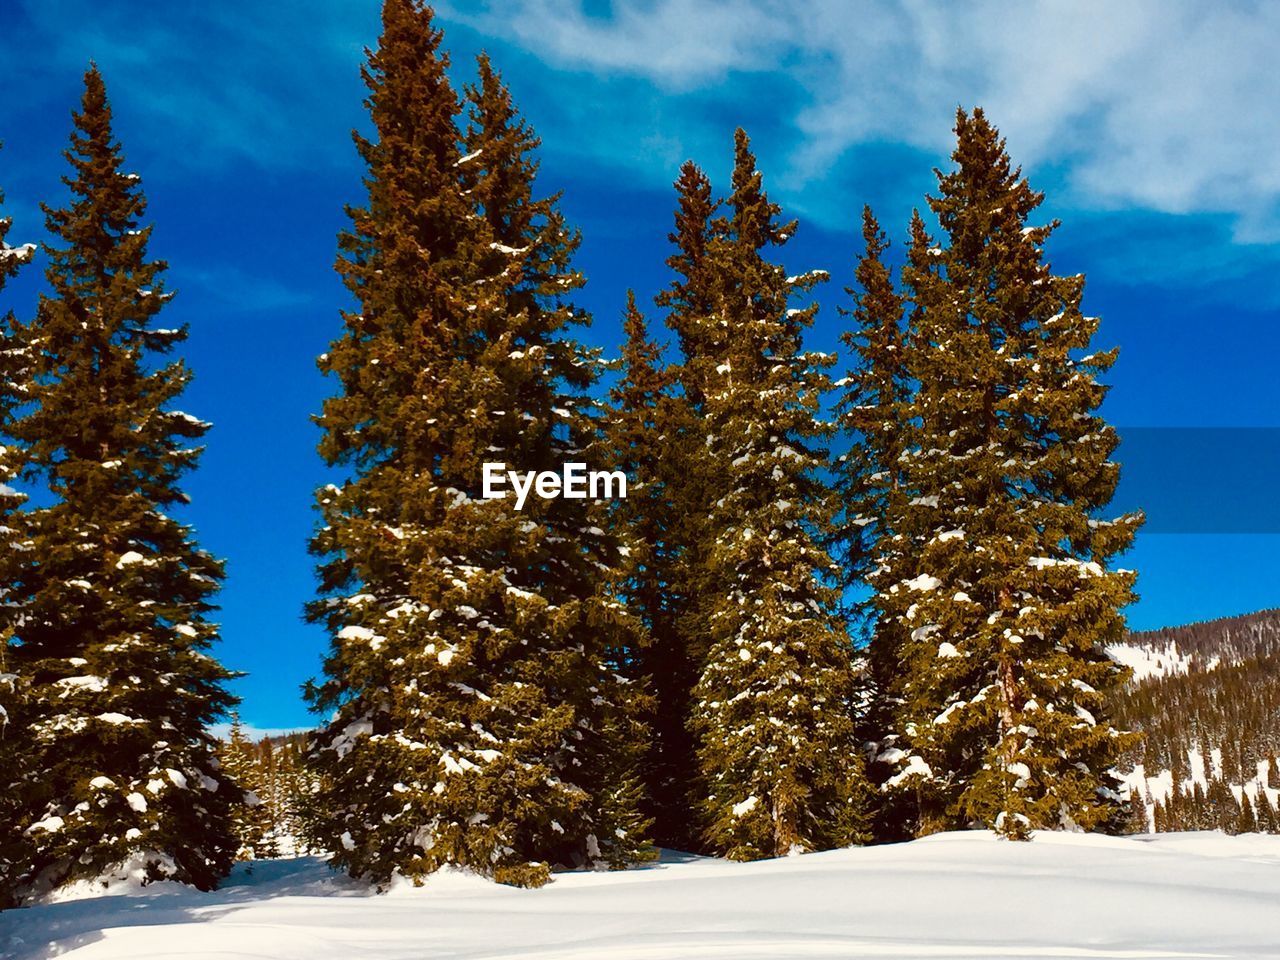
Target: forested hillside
1206,696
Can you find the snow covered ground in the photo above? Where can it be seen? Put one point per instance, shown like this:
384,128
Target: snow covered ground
959,895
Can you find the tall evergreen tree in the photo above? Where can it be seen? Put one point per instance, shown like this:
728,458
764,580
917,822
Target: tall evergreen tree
906,800
870,414
13,758
634,443
479,716
645,438
677,449
773,703
870,408
115,595
12,372
690,299
1012,596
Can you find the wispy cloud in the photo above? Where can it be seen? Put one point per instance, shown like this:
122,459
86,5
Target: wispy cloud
1155,108
211,82
241,291
679,44
1166,106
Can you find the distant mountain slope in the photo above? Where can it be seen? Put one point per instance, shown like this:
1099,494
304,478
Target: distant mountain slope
1229,639
1206,696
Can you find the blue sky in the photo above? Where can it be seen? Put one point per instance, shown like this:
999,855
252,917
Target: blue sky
1151,127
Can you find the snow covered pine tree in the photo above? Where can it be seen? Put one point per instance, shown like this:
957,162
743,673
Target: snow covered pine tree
647,439
871,408
112,593
12,757
675,453
478,716
1010,598
871,415
773,704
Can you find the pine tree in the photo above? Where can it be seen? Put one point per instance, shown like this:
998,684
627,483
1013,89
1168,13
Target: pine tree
870,411
585,562
1133,817
1266,813
646,431
773,704
115,594
869,488
1247,821
252,822
284,787
1196,814
677,450
291,794
1232,765
13,758
1223,810
1169,810
479,717
1180,768
911,798
690,300
294,787
1012,597
691,312
12,372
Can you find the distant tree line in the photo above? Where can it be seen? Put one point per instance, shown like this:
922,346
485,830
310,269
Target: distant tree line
1217,808
1226,638
274,820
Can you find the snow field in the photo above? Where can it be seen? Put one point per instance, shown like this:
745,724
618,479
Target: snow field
1149,662
957,895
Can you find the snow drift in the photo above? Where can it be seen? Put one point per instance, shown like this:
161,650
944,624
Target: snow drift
958,895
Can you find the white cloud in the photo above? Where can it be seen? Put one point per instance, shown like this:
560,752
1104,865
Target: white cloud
677,43
1168,106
